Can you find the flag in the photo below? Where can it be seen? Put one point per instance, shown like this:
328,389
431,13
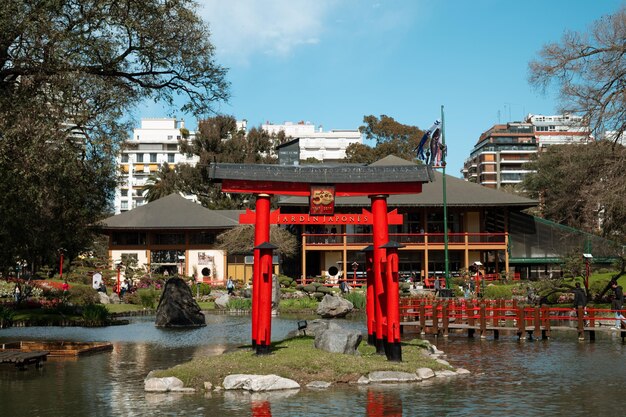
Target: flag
430,142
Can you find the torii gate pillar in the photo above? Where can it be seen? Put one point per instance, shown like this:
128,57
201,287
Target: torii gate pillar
380,232
261,319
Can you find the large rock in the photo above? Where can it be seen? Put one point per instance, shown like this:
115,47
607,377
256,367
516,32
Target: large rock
392,377
104,299
336,339
333,307
166,384
221,302
177,307
258,383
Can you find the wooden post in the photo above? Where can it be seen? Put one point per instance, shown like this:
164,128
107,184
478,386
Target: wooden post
444,318
422,318
537,320
580,311
521,325
435,319
483,321
470,320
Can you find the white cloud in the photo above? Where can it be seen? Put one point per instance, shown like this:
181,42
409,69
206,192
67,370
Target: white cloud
242,28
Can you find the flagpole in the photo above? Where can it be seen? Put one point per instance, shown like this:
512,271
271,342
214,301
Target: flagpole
445,204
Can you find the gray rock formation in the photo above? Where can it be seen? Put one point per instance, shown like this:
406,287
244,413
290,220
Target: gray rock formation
104,299
177,307
392,377
222,301
336,339
333,307
258,383
166,384
425,373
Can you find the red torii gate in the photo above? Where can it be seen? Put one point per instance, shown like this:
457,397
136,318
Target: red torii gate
322,184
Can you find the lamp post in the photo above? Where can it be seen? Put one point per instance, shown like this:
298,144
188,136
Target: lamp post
61,253
588,258
119,271
355,266
181,259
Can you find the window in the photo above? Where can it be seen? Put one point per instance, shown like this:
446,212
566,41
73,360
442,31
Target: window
129,238
124,205
200,238
170,137
153,157
124,158
170,158
170,239
124,193
139,157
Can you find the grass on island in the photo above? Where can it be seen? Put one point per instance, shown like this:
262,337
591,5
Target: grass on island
299,360
123,308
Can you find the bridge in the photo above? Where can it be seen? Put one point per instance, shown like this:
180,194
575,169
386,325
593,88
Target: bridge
440,316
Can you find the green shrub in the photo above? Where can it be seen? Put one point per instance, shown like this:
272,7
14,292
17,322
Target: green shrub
299,287
498,292
95,315
356,298
295,304
148,297
239,304
324,290
6,316
204,289
310,288
318,295
597,286
132,298
82,296
285,281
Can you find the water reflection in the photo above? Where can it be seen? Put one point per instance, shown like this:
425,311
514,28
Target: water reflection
559,377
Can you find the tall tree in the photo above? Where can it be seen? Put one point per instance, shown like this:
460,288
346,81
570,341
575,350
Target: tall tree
392,138
590,71
219,140
161,184
582,186
69,72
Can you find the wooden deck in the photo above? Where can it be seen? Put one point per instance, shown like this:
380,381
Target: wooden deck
23,359
58,348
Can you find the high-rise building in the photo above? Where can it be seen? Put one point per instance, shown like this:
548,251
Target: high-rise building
311,142
499,157
153,144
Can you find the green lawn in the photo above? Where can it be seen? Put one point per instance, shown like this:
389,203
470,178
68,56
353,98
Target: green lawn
299,360
123,308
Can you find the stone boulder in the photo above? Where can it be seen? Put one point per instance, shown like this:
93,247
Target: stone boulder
334,307
336,339
166,384
256,383
104,299
221,302
177,307
382,377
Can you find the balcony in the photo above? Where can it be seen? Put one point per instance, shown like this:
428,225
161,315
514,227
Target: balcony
355,241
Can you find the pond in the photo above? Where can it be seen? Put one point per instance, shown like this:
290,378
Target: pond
559,377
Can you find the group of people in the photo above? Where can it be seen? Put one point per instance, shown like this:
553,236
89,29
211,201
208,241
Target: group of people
617,304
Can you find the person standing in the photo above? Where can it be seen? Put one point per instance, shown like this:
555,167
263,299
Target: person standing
17,291
580,298
617,305
437,286
230,286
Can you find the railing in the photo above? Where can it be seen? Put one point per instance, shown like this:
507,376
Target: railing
351,239
441,315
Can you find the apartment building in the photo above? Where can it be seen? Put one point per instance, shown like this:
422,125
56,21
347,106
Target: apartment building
311,142
151,145
498,159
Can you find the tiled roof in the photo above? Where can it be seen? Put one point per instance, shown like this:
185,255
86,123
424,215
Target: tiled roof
172,212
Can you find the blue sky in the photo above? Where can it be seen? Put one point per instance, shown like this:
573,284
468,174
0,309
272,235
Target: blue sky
330,62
